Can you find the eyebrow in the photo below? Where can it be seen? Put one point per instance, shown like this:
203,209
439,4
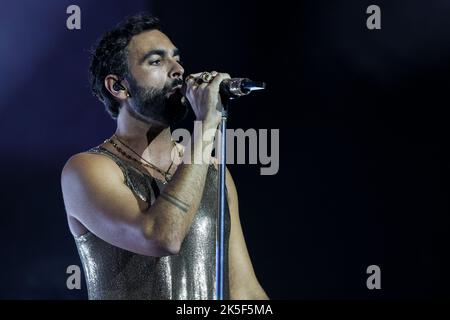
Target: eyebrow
159,52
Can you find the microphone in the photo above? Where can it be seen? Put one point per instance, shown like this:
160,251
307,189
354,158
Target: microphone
231,88
237,87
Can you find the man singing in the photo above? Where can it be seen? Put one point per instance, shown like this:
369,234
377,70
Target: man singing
142,212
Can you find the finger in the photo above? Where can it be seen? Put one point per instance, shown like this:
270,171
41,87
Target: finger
193,81
199,81
189,80
203,85
218,79
193,76
190,83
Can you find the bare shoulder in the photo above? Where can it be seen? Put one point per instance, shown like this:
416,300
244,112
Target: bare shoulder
89,163
90,172
85,171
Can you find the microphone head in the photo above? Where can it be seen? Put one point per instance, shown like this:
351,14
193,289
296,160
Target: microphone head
250,85
244,86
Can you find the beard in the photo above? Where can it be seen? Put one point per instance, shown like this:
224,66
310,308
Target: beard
155,103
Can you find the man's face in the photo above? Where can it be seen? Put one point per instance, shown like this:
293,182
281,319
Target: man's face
155,75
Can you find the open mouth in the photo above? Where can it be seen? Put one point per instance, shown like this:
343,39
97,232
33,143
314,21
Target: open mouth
174,90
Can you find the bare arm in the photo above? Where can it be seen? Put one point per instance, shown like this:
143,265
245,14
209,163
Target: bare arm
175,208
243,282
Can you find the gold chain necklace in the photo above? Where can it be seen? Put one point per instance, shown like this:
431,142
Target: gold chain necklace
167,176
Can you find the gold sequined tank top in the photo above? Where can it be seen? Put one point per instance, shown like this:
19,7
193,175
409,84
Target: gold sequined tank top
115,273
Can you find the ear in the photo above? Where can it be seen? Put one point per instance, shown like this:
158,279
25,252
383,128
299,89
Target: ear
116,88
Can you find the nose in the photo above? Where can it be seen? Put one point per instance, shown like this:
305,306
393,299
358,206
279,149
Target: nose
177,70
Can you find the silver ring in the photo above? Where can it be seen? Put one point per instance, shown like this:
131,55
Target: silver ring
206,77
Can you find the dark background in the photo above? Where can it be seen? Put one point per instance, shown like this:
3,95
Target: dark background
364,164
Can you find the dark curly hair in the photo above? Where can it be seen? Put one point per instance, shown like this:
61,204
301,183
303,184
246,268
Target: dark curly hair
110,56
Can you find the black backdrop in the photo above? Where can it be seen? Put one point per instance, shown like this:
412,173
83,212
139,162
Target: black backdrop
364,167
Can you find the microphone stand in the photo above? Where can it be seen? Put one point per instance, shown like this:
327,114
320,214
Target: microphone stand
235,88
220,219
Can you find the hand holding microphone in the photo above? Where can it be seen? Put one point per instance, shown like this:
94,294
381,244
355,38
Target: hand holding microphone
202,92
211,88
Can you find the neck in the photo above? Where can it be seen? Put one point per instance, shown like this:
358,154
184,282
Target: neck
151,140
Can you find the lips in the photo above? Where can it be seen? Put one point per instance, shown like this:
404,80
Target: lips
171,92
178,87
